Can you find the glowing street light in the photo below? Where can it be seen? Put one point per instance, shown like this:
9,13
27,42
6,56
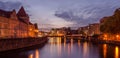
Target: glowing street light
117,36
105,36
36,30
30,29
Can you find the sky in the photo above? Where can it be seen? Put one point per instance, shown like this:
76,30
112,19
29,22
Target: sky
63,13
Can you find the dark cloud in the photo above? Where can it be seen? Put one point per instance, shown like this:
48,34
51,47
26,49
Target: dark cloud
10,5
87,14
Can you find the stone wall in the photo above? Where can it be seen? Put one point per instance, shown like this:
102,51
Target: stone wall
10,44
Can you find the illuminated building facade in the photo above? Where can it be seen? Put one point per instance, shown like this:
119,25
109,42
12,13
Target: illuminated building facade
89,30
110,27
83,31
16,25
94,29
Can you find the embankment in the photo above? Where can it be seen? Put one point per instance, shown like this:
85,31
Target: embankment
11,44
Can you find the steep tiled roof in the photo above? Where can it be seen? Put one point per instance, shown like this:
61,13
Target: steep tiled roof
30,23
5,13
22,13
22,20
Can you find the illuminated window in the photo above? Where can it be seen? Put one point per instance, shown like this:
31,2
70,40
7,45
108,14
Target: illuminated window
0,32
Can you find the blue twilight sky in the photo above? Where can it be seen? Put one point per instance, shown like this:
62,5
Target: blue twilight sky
60,13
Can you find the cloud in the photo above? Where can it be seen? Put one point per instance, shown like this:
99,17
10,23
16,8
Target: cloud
10,5
90,13
55,13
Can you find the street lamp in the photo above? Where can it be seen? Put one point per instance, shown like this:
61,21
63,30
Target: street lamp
36,30
105,36
117,36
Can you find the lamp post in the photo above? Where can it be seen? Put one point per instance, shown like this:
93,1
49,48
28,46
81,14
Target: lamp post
117,36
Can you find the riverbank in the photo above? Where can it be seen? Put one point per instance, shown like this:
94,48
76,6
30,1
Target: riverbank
98,41
12,44
109,42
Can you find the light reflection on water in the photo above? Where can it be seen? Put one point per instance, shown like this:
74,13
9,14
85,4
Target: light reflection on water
116,52
30,55
85,50
36,53
56,49
62,48
104,50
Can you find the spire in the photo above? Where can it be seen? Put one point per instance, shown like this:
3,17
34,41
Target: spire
22,12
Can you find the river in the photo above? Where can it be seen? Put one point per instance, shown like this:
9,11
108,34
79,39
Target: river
55,48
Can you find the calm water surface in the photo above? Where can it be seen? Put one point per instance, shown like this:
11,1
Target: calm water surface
55,49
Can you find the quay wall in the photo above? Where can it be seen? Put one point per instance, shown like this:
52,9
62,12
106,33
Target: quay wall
11,44
109,42
96,40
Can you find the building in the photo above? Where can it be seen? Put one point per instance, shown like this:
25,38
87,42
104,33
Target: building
89,30
57,32
33,30
42,34
103,19
110,27
16,25
36,30
94,29
83,31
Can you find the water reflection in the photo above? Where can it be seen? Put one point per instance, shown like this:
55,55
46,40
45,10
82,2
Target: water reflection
85,50
36,53
58,47
69,49
31,56
104,50
79,43
116,52
55,40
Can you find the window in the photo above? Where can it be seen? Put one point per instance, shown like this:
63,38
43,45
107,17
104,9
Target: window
0,32
0,25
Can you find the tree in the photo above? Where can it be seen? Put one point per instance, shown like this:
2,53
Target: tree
111,24
108,25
